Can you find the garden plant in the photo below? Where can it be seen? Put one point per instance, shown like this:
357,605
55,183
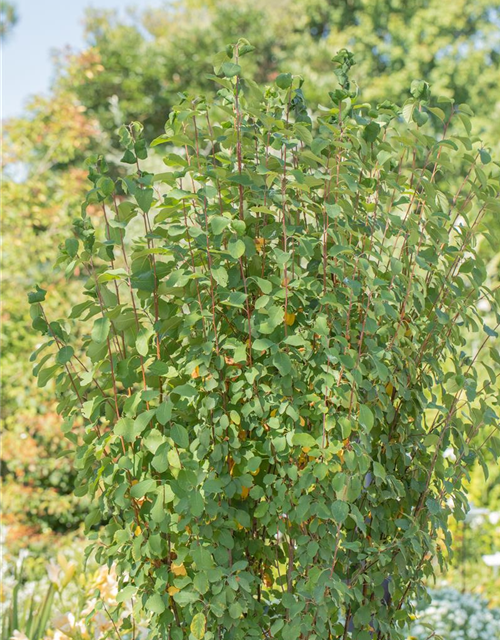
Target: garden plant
132,68
269,356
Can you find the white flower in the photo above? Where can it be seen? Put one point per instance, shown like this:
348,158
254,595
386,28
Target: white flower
90,606
18,635
65,622
107,582
494,517
492,560
67,625
449,454
60,573
102,624
457,616
483,305
53,572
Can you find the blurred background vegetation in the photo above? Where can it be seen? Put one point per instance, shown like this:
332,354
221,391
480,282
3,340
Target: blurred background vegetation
132,68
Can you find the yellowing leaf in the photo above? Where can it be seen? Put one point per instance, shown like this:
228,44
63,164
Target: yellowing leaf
178,569
289,318
259,244
244,492
302,421
268,579
195,373
198,626
138,530
173,590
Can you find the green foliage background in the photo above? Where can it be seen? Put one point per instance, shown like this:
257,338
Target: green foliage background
132,69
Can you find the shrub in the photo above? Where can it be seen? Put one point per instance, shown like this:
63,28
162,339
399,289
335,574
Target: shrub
269,361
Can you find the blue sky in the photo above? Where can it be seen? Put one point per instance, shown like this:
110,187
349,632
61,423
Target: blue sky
44,25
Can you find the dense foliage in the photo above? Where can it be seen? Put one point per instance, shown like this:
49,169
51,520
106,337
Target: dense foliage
132,68
268,356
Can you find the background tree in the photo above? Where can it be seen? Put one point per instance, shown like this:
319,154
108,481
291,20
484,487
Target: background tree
8,18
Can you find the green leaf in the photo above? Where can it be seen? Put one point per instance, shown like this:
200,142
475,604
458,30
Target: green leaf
262,344
71,245
230,69
420,117
184,391
112,274
164,412
485,156
283,363
196,504
366,418
153,440
420,90
106,186
235,610
126,593
264,285
47,374
173,459
220,276
180,436
140,489
164,497
408,111
144,198
218,224
236,248
142,420
371,132
125,428
160,461
155,604
304,440
379,471
340,511
490,332
36,296
235,299
284,80
100,330
64,355
128,157
142,341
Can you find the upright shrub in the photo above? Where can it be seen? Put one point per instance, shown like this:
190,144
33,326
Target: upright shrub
269,357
